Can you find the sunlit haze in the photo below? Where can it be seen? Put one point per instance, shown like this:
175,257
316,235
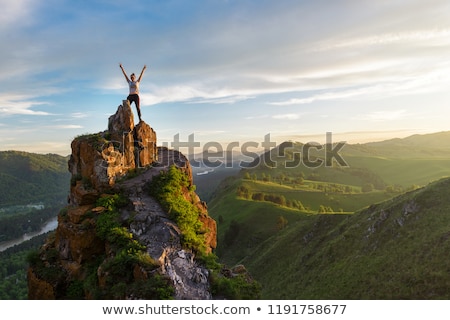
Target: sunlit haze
224,70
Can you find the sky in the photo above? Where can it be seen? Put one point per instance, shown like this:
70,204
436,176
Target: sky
224,70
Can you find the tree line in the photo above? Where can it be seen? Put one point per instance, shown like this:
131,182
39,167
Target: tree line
13,269
281,200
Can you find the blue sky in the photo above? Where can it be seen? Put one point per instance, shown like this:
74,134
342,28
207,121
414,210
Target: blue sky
224,70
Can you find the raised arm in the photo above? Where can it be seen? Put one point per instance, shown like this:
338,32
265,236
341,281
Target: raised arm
124,73
142,73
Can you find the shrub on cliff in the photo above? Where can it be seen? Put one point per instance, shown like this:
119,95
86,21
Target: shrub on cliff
169,189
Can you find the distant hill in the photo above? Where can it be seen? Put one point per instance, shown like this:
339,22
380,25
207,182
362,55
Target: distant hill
28,177
415,160
432,145
375,229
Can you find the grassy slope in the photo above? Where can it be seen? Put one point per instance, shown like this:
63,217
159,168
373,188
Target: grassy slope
383,252
396,249
257,221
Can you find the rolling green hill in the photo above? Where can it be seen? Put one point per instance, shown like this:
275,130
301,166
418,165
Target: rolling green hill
28,177
397,249
376,229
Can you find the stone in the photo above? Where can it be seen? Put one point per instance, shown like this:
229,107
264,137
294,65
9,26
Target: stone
145,145
99,160
122,120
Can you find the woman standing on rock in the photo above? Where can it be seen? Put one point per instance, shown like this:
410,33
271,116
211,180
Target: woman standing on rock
134,88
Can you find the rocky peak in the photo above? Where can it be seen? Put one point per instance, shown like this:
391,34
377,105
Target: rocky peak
98,160
122,159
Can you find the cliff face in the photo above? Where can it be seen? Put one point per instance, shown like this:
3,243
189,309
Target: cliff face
114,240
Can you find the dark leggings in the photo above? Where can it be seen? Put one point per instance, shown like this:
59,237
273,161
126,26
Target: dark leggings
135,98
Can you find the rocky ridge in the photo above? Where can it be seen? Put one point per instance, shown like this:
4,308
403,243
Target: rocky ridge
103,164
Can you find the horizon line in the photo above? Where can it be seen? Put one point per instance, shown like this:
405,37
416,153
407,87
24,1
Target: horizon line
351,137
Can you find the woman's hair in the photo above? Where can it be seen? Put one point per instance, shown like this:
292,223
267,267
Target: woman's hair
132,75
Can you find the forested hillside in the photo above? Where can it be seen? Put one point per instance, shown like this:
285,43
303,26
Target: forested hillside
29,178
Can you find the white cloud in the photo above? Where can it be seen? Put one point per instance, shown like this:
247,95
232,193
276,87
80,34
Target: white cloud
260,116
11,104
193,93
65,126
171,94
436,36
382,115
14,13
208,133
432,78
78,115
336,95
287,116
222,100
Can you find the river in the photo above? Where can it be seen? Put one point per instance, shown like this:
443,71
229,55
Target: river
48,226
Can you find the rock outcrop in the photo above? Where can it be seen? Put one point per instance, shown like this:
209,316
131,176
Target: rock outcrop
78,262
98,160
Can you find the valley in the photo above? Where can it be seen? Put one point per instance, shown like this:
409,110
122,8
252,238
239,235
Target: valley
375,229
356,232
